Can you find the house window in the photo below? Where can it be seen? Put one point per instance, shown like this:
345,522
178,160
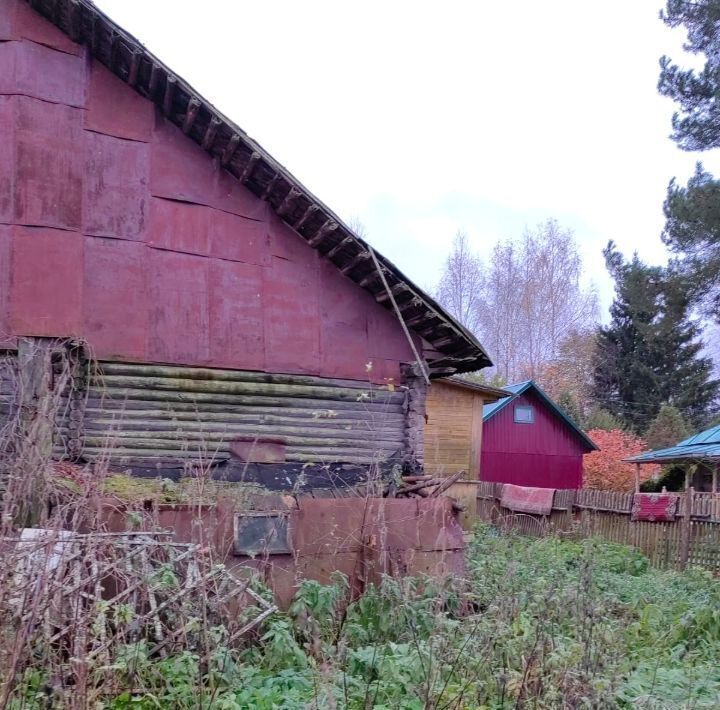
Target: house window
524,415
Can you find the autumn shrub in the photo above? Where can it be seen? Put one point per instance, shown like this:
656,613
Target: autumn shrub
607,469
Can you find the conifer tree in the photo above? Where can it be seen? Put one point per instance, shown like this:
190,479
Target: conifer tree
692,229
667,429
650,353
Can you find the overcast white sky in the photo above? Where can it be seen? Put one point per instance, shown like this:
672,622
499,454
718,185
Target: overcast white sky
422,118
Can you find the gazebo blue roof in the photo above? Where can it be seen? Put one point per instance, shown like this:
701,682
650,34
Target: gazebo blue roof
704,446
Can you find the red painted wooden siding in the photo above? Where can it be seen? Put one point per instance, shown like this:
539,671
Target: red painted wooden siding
117,228
546,453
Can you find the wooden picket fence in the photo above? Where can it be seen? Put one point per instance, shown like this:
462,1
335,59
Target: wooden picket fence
693,538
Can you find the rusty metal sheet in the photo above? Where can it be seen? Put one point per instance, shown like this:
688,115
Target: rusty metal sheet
46,295
48,186
236,315
181,170
239,239
326,526
5,241
116,180
343,322
292,317
198,229
393,523
179,226
115,109
436,564
438,526
115,297
178,316
19,21
386,336
33,70
7,158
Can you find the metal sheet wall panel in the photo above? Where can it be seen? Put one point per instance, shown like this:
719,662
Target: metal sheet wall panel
178,317
292,317
115,180
343,319
48,188
19,21
181,170
5,243
31,69
113,108
196,229
7,158
115,298
46,293
236,315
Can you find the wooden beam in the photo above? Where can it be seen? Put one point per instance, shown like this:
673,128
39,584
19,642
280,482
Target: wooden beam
368,278
210,133
420,318
134,70
288,200
342,243
396,290
446,341
249,167
112,52
230,149
190,114
270,186
75,21
358,259
309,212
320,235
155,75
170,84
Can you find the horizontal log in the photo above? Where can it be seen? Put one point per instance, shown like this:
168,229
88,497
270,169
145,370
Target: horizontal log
127,411
230,431
200,373
187,385
197,398
220,441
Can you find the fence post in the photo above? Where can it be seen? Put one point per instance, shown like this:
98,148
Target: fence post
686,529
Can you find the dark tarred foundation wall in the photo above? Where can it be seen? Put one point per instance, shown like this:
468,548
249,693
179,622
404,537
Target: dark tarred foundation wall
116,228
545,454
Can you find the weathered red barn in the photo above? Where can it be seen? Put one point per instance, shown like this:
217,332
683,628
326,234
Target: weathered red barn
529,441
236,321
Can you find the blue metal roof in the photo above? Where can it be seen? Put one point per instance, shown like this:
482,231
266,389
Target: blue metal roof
704,445
490,410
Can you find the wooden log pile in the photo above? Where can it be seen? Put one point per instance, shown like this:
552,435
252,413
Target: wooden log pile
422,486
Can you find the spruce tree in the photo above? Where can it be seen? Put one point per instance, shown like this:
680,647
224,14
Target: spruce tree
650,353
692,229
667,429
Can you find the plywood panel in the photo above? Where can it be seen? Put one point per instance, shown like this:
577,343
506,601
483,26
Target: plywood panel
449,429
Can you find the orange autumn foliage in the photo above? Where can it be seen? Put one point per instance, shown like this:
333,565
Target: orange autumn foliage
605,469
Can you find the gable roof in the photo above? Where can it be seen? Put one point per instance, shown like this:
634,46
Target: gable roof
490,410
702,446
486,391
458,350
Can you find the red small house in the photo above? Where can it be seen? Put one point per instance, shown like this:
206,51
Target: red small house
529,441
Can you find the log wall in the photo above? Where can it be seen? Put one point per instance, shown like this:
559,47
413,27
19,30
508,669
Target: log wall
144,415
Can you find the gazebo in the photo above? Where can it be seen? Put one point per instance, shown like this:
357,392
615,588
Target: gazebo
702,448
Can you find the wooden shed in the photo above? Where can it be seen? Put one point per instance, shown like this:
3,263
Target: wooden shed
454,425
529,440
212,310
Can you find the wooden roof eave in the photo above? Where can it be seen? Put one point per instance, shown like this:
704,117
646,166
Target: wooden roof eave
248,162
